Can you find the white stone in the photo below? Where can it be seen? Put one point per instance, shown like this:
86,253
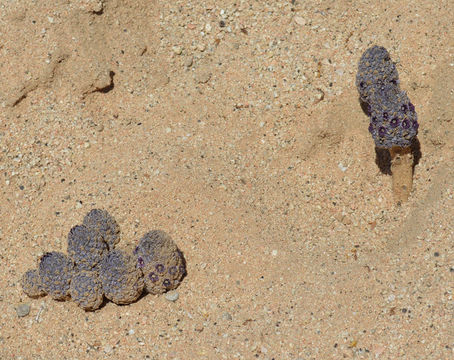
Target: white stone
299,20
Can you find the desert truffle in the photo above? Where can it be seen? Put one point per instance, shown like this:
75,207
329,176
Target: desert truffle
86,247
55,271
122,281
102,221
86,290
31,284
162,264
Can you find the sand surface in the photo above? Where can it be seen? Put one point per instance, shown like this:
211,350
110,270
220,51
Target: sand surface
235,127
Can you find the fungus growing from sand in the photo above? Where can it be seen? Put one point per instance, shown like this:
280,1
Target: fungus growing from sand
86,290
94,269
160,261
393,119
55,271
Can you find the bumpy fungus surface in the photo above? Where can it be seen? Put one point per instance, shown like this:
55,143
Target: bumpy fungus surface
86,290
86,247
121,280
31,284
101,221
55,271
162,264
393,119
375,70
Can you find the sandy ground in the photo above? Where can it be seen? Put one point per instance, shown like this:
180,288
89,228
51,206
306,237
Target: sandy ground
235,127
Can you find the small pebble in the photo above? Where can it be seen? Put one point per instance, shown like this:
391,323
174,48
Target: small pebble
227,316
23,310
108,349
177,50
342,167
299,20
319,96
203,77
172,296
188,62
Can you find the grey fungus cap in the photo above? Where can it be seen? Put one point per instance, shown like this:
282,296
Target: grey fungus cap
31,284
86,290
101,221
86,247
55,271
375,69
161,262
393,119
122,281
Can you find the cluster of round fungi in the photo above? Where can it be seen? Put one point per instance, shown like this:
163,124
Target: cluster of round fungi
393,120
94,269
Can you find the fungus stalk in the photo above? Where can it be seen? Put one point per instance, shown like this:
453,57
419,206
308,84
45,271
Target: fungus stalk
402,172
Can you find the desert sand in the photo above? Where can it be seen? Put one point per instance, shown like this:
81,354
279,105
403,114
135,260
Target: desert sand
235,127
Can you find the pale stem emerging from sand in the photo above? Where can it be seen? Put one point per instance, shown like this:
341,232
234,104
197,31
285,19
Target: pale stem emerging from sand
402,172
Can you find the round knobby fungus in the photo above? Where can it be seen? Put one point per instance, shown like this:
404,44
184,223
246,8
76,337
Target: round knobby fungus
55,271
86,290
122,282
31,284
161,262
101,221
85,247
152,244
